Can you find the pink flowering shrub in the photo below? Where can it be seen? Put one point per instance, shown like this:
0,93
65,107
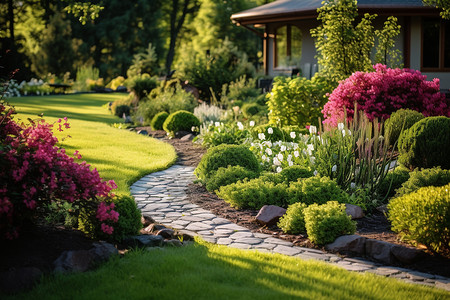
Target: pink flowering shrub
383,92
34,172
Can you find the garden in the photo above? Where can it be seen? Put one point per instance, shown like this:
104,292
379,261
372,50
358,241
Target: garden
360,150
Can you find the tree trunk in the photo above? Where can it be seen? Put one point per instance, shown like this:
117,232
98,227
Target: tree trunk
11,21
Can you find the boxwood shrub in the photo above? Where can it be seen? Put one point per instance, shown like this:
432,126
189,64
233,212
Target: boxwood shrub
293,173
426,144
423,217
229,175
324,223
181,120
224,156
399,121
158,120
422,178
293,221
316,190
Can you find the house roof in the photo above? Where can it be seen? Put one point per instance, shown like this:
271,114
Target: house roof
282,10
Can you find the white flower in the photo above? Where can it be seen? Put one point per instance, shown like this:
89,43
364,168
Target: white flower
269,130
312,129
290,163
276,162
261,136
240,126
289,158
263,157
296,154
269,144
280,156
352,185
312,159
315,172
341,126
292,135
283,148
217,124
334,168
252,123
269,151
310,149
279,169
193,128
343,132
295,146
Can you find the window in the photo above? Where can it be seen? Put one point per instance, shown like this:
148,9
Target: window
288,46
435,44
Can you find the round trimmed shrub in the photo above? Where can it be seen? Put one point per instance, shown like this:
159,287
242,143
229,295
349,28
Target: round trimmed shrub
224,156
158,120
293,221
229,175
426,144
250,109
324,223
276,135
422,178
293,173
399,121
423,217
181,120
129,217
316,190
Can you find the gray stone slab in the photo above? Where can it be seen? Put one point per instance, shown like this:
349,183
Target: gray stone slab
224,241
310,255
249,240
239,245
291,251
261,235
232,226
198,226
206,233
181,222
210,239
278,242
191,218
355,268
220,221
385,271
241,234
265,246
173,214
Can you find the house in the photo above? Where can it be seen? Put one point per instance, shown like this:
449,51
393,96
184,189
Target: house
285,28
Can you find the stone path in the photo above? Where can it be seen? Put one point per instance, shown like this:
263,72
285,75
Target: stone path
162,196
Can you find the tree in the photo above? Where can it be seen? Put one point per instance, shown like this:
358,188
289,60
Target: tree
386,53
442,4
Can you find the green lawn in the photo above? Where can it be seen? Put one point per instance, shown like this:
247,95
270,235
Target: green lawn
205,271
117,154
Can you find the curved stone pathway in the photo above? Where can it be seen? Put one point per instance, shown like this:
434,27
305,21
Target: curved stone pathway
162,196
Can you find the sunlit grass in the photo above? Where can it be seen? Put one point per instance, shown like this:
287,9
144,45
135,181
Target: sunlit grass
206,271
117,154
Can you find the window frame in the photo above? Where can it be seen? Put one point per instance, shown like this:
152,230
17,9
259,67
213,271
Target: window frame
441,67
288,45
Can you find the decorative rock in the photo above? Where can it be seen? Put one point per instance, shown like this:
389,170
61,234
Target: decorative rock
380,250
383,209
19,279
152,228
147,220
348,244
270,214
173,243
143,132
103,251
187,137
354,211
166,233
74,261
406,255
121,89
144,241
180,134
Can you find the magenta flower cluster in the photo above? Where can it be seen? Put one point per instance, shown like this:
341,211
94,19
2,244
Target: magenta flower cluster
35,171
382,92
107,213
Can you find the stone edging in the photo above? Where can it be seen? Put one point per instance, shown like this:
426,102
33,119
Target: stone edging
162,196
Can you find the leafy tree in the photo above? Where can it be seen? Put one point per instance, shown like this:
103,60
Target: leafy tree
144,62
442,4
386,53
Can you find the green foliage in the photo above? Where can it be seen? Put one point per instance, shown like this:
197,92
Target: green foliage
228,175
316,190
271,132
297,130
254,194
293,221
129,218
123,109
324,223
57,213
158,120
423,178
423,216
224,156
426,144
84,11
141,86
239,91
399,121
218,133
442,4
144,62
116,82
208,113
295,172
181,120
251,109
84,76
126,101
386,53
393,181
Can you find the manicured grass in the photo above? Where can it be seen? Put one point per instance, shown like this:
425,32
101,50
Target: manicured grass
116,153
205,271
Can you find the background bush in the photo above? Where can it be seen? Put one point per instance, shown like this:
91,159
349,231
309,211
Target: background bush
158,120
208,113
293,173
324,223
400,120
393,181
316,190
129,218
426,144
224,156
229,175
126,101
122,109
424,217
422,178
141,86
180,121
293,221
251,109
276,135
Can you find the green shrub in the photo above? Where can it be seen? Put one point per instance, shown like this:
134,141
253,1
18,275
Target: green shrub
126,101
316,190
250,109
229,175
276,135
426,144
181,120
393,181
141,86
422,178
218,133
276,178
116,82
297,130
293,173
293,221
324,223
158,120
254,194
399,121
122,109
208,113
129,218
423,216
224,156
